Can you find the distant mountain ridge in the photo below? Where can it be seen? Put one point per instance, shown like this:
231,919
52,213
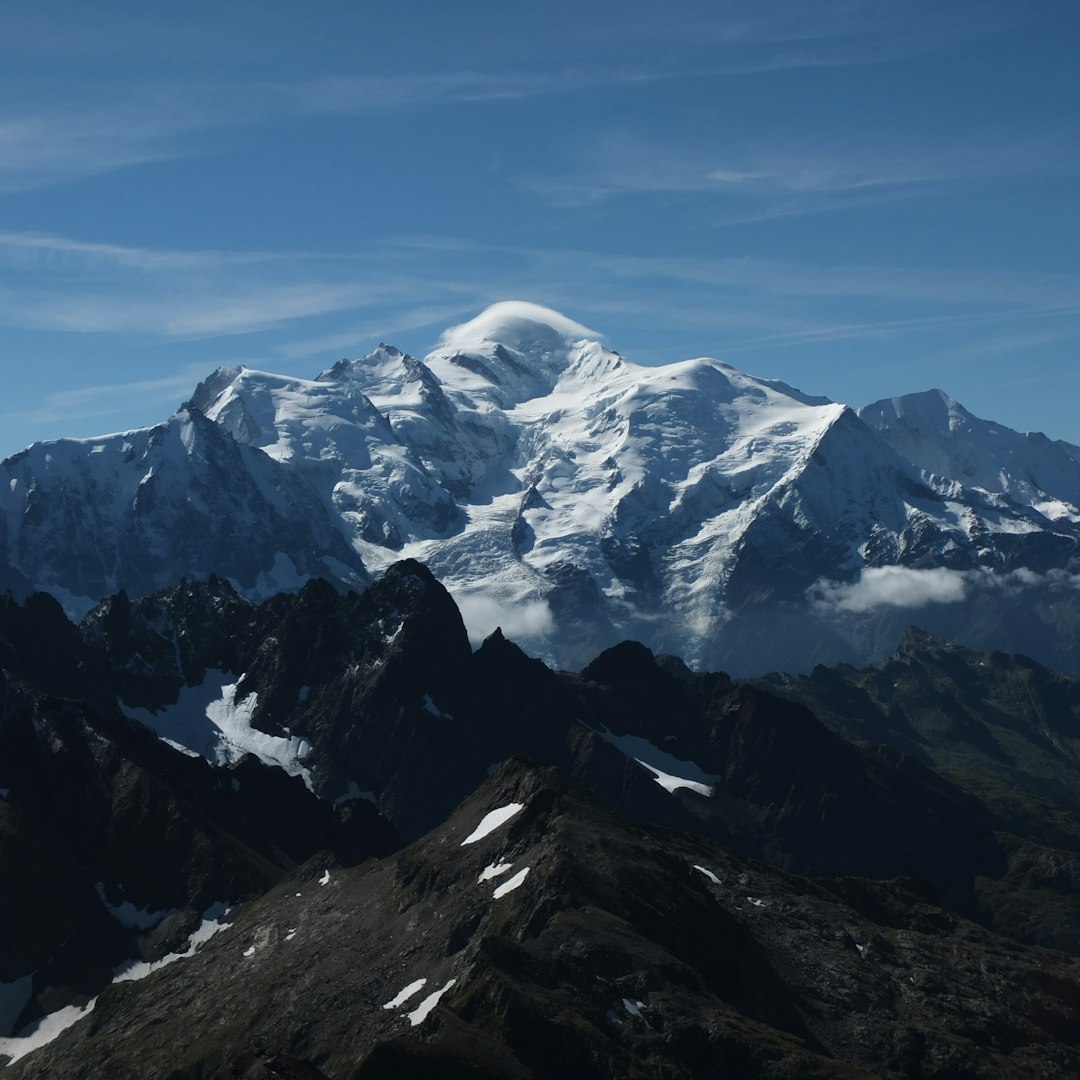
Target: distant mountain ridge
577,498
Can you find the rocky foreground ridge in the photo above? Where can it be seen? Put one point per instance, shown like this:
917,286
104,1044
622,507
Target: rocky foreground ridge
862,872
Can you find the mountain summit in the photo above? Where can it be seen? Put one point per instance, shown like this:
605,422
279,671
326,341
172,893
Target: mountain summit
574,497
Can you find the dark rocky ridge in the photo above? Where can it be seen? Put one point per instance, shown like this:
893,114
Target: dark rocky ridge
842,776
615,957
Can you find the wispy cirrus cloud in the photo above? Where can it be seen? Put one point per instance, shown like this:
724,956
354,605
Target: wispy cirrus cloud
751,183
731,306
62,284
87,402
53,131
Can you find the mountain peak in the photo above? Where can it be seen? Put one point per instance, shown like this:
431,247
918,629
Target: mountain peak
515,324
511,352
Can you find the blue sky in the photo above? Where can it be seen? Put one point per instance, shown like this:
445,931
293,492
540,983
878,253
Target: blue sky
860,198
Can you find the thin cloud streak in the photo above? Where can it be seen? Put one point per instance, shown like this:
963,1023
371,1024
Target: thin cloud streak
87,402
799,180
743,304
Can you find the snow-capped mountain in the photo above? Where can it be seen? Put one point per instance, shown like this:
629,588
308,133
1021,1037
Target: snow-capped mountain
940,436
84,518
556,488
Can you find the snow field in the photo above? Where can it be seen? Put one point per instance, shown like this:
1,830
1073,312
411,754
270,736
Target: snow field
491,821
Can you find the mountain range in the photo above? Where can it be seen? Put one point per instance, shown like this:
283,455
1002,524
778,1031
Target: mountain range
298,838
526,712
576,499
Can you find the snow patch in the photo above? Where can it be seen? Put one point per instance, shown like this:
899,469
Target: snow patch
670,772
404,994
708,873
325,879
133,970
492,871
421,1012
43,1031
431,707
510,885
209,721
492,820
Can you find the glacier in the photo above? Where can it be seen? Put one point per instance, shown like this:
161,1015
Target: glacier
560,490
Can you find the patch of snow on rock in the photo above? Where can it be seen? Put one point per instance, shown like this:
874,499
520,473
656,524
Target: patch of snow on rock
353,792
668,771
133,970
491,821
492,871
208,720
511,884
43,1031
325,879
708,873
421,1012
402,996
431,707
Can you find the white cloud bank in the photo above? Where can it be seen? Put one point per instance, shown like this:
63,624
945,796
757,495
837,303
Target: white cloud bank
519,620
909,587
891,586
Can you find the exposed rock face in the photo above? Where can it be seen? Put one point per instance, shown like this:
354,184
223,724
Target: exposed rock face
180,751
565,941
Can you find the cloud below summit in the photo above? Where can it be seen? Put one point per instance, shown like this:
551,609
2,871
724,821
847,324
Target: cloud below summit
891,586
908,588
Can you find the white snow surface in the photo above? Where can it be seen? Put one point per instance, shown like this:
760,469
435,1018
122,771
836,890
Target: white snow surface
492,820
212,923
209,720
670,772
43,1031
527,463
947,441
511,884
421,1012
403,995
522,444
493,870
708,873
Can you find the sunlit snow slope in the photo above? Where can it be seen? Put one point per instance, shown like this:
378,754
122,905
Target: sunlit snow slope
556,487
